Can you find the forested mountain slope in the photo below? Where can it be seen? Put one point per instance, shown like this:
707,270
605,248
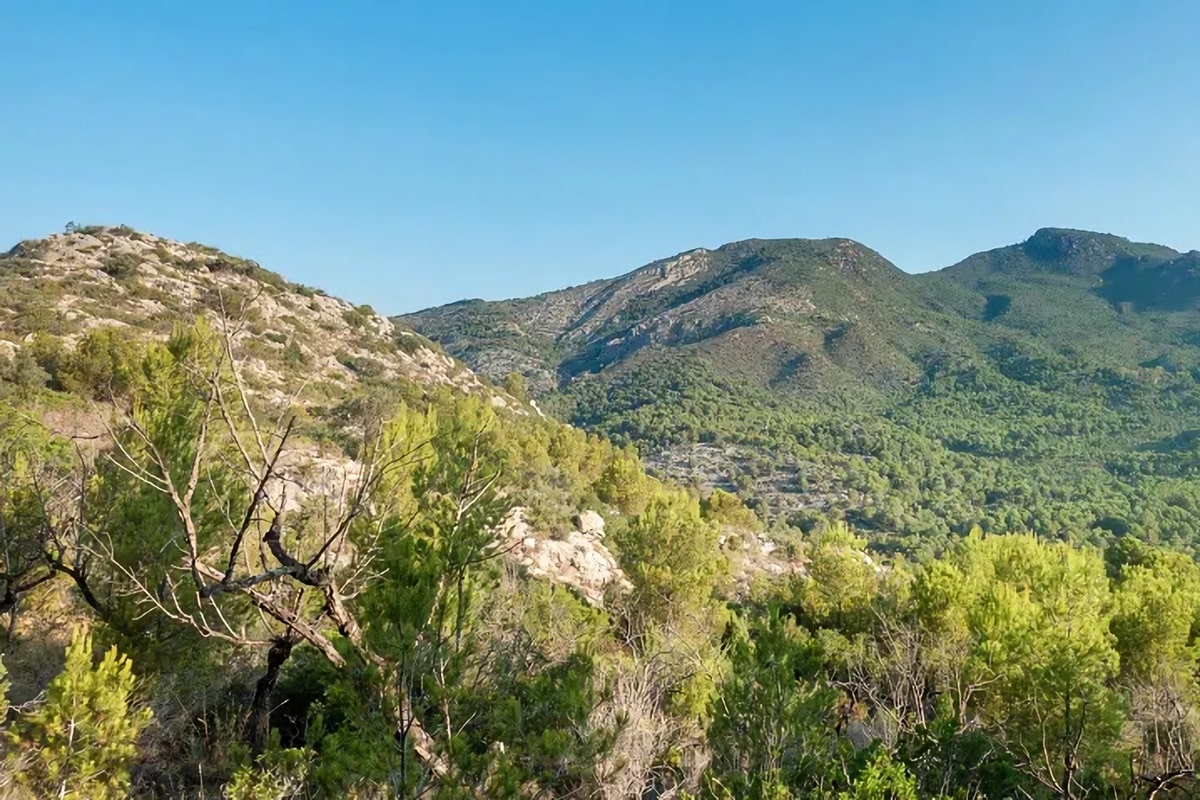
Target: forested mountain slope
1049,385
260,493
778,312
258,543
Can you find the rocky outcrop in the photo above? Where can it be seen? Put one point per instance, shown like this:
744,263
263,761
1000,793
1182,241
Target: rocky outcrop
578,560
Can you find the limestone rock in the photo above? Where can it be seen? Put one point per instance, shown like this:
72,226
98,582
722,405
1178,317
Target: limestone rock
578,560
590,524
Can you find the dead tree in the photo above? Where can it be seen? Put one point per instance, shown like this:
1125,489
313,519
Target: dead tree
299,576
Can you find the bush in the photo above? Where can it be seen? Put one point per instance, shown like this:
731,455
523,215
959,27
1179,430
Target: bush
278,774
104,365
355,318
23,370
363,367
293,354
515,385
120,265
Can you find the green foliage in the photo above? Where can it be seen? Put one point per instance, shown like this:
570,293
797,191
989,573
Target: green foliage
120,265
1036,622
357,318
1010,391
293,354
670,555
1037,469
23,371
725,508
363,366
279,773
624,484
771,732
102,366
882,779
515,385
30,459
81,741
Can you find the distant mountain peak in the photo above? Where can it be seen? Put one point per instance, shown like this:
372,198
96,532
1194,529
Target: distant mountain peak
1056,244
1061,251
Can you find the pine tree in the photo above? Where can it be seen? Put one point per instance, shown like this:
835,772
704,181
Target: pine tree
81,740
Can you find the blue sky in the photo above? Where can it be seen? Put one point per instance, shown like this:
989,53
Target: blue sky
407,154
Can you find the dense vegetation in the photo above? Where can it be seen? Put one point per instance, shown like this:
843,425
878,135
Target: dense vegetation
1047,387
1052,446
211,588
372,642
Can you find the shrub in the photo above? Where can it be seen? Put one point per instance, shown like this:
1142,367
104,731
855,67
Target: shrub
355,318
102,366
24,371
280,773
363,367
515,385
120,265
293,354
82,740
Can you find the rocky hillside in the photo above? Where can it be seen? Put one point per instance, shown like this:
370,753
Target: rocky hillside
779,312
827,314
297,348
290,337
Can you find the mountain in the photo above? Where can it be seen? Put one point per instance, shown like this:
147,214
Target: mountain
1125,302
1047,386
318,561
74,305
781,313
816,377
259,542
292,513
807,313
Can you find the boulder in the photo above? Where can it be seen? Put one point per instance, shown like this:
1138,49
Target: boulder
590,524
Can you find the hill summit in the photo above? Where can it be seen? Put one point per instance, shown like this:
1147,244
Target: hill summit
779,298
113,277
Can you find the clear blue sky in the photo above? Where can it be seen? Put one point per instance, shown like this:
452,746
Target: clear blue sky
407,154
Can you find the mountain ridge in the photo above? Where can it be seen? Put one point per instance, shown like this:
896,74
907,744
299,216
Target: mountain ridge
795,371
579,317
682,299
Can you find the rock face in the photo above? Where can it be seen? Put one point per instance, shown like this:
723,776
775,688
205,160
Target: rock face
755,556
578,560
